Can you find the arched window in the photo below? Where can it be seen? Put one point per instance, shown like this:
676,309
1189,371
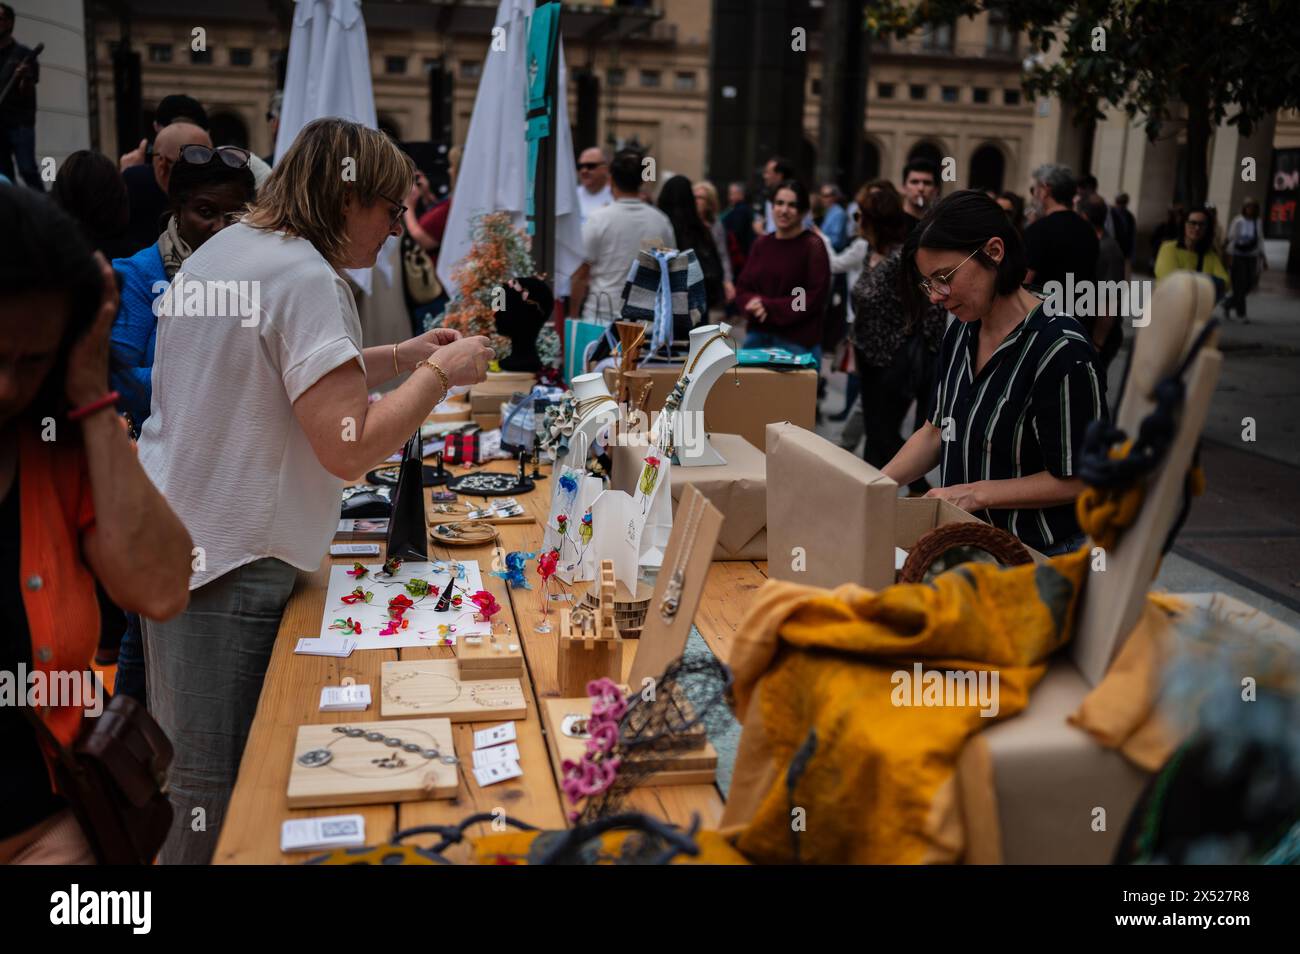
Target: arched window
987,168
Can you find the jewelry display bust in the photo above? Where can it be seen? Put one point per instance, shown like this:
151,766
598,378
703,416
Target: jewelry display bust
596,407
712,353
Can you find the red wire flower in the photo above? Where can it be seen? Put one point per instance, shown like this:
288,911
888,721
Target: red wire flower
547,562
487,604
358,596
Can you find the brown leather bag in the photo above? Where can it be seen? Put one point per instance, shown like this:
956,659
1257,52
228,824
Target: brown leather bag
114,777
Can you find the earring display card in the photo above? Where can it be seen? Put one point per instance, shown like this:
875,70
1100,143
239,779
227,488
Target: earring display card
433,687
686,564
425,626
694,767
358,771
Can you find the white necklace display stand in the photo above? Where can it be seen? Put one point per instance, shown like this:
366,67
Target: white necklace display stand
710,357
587,387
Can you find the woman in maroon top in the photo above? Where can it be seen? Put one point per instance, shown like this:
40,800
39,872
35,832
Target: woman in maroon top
783,288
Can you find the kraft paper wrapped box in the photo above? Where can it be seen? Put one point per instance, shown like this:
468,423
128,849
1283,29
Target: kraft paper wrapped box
831,516
737,488
764,395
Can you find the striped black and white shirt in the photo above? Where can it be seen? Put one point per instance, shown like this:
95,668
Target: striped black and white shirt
1025,412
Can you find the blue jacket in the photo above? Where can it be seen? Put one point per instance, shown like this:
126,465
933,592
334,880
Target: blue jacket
835,227
136,329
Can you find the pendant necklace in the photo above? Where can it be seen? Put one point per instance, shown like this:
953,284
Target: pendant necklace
674,400
672,598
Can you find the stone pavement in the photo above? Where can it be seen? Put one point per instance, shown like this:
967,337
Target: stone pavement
1242,536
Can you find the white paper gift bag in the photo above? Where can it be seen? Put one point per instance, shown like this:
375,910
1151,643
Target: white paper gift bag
570,527
653,502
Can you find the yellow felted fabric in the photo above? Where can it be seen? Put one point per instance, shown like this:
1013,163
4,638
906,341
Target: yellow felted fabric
1120,713
829,768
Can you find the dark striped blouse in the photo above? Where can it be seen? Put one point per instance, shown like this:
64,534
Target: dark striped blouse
1025,412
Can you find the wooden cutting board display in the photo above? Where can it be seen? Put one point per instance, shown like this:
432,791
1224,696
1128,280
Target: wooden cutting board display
359,771
433,687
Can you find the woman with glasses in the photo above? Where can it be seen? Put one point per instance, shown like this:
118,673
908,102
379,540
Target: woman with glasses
1194,252
207,190
1015,388
258,418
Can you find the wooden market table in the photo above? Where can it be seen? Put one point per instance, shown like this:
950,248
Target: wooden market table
291,697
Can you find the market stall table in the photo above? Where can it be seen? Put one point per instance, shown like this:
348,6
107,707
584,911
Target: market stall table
291,696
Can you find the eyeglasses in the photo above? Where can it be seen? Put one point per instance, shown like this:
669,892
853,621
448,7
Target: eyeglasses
940,285
201,155
585,166
1197,223
397,216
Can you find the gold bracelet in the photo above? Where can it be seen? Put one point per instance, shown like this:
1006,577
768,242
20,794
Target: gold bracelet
442,376
396,371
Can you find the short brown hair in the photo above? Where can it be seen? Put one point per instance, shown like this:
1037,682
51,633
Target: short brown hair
882,212
306,192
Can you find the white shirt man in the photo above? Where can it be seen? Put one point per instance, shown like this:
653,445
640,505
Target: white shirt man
593,182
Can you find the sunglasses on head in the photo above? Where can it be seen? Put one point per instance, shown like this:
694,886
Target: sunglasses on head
200,155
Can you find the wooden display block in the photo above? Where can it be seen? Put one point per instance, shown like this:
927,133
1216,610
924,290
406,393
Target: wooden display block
433,687
584,656
361,772
489,660
695,767
589,646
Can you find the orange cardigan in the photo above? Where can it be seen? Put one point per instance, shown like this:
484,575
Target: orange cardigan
57,511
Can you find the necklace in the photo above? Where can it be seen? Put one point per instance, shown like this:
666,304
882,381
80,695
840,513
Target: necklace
672,598
675,397
590,404
318,757
690,368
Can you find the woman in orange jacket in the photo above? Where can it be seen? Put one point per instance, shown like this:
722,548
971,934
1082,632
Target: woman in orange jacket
75,507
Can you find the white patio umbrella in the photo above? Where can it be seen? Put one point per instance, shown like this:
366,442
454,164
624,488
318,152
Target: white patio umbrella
494,163
329,75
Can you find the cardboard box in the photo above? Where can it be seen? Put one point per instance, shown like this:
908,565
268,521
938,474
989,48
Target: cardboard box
763,396
737,488
831,516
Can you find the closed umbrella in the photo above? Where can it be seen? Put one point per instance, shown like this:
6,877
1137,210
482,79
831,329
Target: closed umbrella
494,163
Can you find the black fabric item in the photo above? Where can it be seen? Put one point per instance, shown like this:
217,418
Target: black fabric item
522,320
1061,243
148,206
25,790
1027,411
